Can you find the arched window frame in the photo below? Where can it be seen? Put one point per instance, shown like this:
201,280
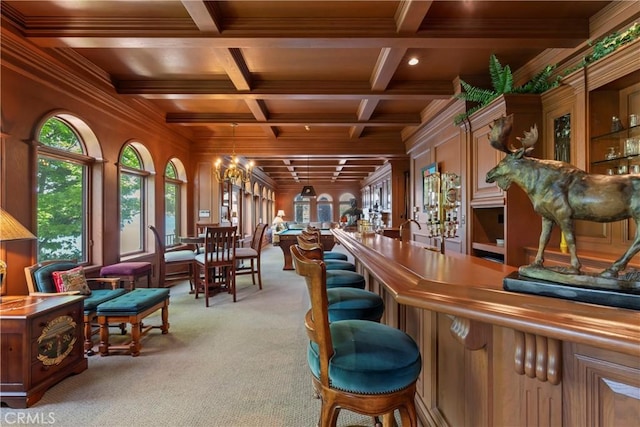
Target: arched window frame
324,203
174,189
345,203
142,174
86,156
301,209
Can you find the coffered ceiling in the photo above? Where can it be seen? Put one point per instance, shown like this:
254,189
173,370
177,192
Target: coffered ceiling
316,87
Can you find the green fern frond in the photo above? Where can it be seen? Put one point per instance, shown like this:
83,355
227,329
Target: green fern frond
540,82
501,77
475,94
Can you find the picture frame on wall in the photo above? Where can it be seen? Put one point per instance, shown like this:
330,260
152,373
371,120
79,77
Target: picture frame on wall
426,172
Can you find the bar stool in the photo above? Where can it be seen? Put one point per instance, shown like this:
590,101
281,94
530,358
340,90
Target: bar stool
129,271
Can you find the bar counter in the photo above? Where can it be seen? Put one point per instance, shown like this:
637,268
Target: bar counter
494,357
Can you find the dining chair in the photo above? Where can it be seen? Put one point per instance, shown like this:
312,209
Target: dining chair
252,254
217,262
358,365
169,258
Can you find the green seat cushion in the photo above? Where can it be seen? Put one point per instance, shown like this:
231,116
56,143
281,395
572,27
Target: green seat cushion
99,296
345,278
335,255
133,302
369,358
353,303
337,264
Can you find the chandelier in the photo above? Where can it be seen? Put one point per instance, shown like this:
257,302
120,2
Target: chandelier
234,171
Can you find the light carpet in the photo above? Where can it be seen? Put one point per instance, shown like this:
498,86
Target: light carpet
237,364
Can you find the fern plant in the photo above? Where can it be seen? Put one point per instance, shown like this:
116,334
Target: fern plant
502,82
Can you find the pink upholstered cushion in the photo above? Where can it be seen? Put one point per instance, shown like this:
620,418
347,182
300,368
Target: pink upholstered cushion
57,279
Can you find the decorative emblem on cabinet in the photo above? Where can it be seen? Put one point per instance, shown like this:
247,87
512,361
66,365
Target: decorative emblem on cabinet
538,357
56,340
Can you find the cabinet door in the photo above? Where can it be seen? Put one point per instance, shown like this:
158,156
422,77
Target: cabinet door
600,388
484,158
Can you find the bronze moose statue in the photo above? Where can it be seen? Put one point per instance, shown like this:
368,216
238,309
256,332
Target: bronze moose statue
562,193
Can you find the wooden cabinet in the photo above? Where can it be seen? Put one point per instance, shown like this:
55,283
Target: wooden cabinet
42,343
496,214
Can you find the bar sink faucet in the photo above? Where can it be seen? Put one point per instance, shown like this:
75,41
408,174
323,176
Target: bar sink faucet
405,223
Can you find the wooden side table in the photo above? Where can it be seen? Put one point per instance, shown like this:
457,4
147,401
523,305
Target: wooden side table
42,343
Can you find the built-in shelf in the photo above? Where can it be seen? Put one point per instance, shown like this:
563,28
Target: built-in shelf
488,247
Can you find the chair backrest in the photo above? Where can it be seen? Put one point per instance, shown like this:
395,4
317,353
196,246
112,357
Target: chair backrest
201,227
160,249
309,245
258,235
314,272
220,245
39,276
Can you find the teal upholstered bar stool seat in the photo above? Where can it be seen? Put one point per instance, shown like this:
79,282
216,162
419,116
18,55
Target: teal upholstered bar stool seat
354,303
349,302
345,279
366,367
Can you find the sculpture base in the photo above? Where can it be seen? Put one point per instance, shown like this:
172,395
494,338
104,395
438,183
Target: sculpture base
622,298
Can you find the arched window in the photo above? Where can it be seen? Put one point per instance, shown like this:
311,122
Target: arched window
174,181
63,178
301,209
133,200
324,206
345,202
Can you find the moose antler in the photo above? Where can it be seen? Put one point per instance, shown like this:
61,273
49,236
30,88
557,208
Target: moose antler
529,140
500,131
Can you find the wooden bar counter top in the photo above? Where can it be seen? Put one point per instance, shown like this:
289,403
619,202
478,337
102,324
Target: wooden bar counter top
494,357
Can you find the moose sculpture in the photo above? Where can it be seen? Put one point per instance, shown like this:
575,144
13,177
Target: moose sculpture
562,193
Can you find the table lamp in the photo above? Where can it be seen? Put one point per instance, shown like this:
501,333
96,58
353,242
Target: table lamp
280,213
10,229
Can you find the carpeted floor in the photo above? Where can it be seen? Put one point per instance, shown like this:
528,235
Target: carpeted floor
237,364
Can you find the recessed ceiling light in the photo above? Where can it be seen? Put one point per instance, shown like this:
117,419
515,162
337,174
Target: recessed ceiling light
413,61
307,127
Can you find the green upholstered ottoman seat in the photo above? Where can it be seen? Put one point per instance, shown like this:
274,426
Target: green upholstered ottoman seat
345,279
353,303
132,307
131,271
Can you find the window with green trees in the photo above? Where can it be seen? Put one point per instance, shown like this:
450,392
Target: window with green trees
172,203
132,201
62,193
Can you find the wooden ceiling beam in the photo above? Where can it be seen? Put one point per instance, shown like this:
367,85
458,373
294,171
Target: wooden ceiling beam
203,14
198,119
302,90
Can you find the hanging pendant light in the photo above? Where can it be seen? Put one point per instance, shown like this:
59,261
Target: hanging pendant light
308,190
234,172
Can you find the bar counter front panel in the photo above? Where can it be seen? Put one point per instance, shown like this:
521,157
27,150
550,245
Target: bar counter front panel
497,358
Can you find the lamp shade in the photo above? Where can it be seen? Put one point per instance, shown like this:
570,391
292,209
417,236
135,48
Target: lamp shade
11,229
308,191
280,213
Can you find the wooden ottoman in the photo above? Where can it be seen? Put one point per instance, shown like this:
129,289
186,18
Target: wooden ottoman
132,308
131,271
